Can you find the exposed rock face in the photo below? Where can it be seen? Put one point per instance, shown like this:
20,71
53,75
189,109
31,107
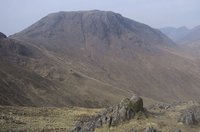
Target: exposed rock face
160,106
191,116
125,111
2,35
113,116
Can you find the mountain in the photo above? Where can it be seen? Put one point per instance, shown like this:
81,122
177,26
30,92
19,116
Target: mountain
94,58
29,76
192,37
187,39
176,34
2,35
183,35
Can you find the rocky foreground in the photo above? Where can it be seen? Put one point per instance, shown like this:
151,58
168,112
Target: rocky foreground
113,116
185,116
128,116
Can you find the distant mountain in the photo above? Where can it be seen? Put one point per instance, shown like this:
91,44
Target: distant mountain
183,35
2,35
176,34
192,37
94,58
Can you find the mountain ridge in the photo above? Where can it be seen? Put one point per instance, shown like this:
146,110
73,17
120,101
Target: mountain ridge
182,35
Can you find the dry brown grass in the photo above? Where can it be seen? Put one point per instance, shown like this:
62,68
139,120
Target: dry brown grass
63,119
41,119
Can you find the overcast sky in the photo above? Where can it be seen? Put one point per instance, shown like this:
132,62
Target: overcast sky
15,15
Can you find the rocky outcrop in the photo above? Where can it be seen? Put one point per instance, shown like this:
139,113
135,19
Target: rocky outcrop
2,35
191,116
150,129
126,110
163,106
178,130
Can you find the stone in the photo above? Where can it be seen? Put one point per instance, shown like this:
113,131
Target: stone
190,116
190,119
113,116
77,127
98,123
150,129
126,110
177,130
137,103
123,114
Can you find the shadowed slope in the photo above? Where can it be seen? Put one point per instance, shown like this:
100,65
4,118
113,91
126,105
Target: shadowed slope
30,76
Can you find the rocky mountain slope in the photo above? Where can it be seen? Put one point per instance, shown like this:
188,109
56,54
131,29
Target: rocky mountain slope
95,58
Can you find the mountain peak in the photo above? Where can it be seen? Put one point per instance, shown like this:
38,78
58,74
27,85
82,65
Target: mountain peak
2,35
88,12
92,28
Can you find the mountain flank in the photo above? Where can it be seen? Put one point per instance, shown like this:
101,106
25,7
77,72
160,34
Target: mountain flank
94,59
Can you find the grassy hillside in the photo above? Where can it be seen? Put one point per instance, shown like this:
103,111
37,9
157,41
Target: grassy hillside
41,119
30,76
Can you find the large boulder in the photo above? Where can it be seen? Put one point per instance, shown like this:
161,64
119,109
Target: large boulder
191,116
113,116
126,110
2,35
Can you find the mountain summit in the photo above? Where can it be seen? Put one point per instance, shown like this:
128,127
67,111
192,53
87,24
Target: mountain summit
2,35
85,28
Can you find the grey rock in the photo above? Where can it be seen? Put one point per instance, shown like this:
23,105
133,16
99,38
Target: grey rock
150,129
190,119
113,116
77,127
177,130
123,114
126,110
190,116
137,103
160,106
99,123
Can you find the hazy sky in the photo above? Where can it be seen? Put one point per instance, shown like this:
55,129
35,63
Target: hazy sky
16,15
